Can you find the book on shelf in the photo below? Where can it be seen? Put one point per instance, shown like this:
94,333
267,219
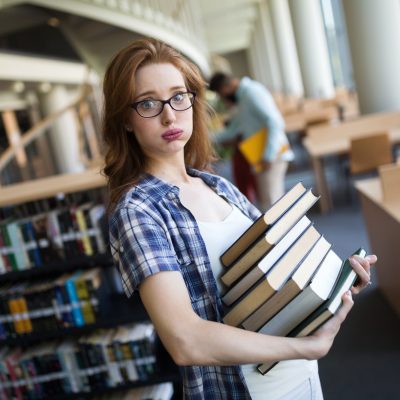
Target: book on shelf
313,320
273,279
46,305
257,249
51,236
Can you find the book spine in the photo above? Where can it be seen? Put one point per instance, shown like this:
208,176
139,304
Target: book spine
34,252
26,321
17,243
63,306
84,301
81,222
9,250
73,297
95,215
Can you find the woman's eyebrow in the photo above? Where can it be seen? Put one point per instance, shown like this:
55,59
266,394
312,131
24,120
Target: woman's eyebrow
153,93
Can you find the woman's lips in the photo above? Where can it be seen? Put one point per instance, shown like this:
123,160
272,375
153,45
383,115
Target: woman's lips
172,134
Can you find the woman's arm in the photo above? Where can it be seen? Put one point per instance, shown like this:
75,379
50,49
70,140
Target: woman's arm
190,340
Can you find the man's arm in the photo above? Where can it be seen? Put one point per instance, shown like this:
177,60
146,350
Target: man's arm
228,133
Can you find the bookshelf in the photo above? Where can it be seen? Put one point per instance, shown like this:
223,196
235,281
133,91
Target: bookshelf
114,308
57,267
167,377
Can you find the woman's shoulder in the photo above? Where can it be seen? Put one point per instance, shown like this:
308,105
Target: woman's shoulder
144,195
210,178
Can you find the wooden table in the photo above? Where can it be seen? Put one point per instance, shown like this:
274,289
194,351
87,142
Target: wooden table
321,147
299,121
383,225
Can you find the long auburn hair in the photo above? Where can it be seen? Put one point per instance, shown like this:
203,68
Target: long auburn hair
125,161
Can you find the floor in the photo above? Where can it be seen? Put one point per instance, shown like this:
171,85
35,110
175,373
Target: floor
364,362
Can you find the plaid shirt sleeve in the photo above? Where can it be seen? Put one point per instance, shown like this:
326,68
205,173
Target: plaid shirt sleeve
140,247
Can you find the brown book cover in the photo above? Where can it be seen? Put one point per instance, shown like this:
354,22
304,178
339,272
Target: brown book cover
273,235
274,279
262,224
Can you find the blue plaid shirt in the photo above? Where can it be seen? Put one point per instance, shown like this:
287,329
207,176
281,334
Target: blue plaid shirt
151,231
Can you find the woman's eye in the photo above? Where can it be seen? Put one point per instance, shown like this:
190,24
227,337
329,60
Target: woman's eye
148,104
178,98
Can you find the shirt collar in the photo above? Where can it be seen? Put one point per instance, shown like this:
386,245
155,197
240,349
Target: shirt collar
158,187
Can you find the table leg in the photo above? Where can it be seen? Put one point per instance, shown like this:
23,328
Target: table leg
325,202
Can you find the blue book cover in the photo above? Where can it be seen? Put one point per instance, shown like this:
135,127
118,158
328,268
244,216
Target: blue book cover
76,309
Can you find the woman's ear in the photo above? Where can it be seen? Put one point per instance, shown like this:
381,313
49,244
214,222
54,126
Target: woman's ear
128,128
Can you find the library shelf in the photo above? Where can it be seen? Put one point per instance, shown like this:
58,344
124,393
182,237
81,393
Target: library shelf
58,267
167,371
168,376
129,311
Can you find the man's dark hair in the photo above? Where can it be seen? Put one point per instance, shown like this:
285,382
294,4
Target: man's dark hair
218,80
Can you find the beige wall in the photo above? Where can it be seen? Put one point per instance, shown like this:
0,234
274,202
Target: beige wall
238,62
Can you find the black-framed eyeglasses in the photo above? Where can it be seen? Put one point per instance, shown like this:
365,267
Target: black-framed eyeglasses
150,108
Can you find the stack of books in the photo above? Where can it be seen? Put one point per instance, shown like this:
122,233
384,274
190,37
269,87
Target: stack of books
282,276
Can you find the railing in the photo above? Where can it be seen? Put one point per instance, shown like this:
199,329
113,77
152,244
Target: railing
177,21
29,156
179,16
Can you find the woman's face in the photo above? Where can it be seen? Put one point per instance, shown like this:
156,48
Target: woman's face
167,133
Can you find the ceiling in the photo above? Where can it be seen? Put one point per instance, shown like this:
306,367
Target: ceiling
228,27
228,24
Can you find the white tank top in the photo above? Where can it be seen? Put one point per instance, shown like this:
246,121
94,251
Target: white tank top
286,375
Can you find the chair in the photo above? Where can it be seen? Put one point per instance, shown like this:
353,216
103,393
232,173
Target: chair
367,153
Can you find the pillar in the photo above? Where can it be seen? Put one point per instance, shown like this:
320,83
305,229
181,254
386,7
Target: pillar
286,48
312,48
63,133
373,29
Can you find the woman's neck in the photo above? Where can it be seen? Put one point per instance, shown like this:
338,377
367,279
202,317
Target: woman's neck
169,171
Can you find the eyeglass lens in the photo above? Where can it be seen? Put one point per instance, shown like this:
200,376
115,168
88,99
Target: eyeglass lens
151,108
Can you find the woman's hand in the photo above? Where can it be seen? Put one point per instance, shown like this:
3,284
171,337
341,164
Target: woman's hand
362,266
322,339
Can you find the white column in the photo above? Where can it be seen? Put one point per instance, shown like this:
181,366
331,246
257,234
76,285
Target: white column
312,48
63,134
252,61
255,63
262,58
374,34
286,48
270,47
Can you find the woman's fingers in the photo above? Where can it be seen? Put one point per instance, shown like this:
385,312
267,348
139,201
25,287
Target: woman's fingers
362,266
346,306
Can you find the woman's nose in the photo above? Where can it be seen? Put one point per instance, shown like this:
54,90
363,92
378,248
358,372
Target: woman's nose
168,115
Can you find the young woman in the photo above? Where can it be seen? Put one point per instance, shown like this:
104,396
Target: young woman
171,219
